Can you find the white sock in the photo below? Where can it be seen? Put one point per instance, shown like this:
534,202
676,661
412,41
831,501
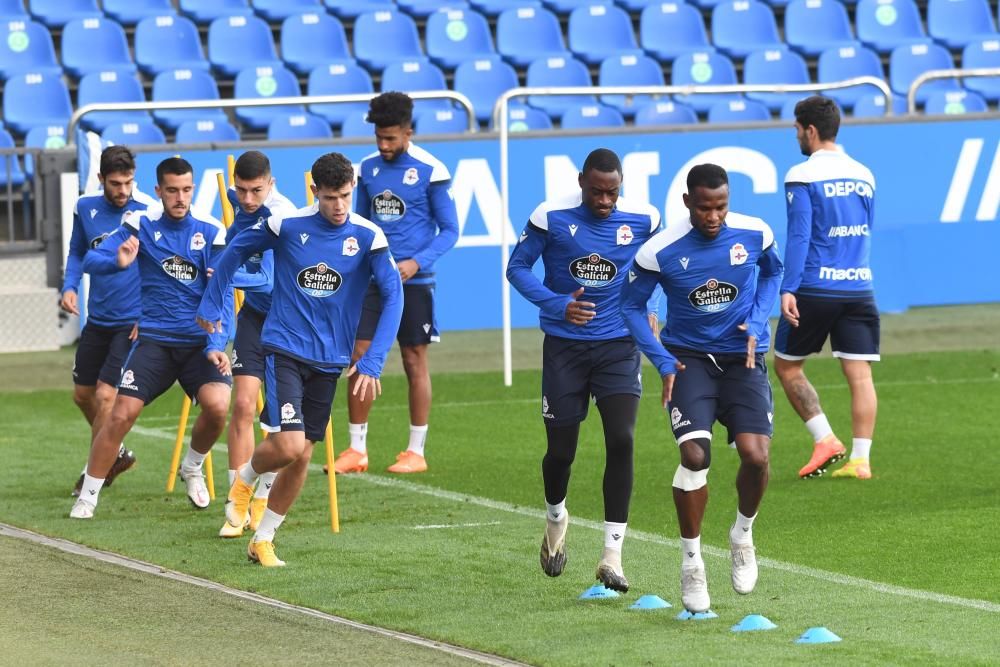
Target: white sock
614,535
193,460
121,449
418,436
861,448
264,487
269,523
742,530
248,474
232,477
691,552
555,512
819,427
359,436
91,489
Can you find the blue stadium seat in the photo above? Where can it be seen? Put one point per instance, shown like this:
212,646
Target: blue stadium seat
706,68
42,136
774,66
343,78
132,134
629,70
10,167
130,12
788,108
707,4
442,121
848,62
955,102
983,53
206,11
356,125
526,34
312,39
591,115
95,45
522,118
666,113
57,13
262,82
32,99
279,10
740,27
565,7
906,63
637,5
175,35
385,37
483,80
598,31
494,8
201,131
108,87
554,72
456,35
872,105
13,10
423,9
351,9
238,42
185,84
298,126
669,29
956,23
414,75
738,111
27,47
812,26
885,24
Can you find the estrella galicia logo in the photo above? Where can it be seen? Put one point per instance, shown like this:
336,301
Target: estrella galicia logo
388,206
320,280
713,296
97,240
180,269
593,270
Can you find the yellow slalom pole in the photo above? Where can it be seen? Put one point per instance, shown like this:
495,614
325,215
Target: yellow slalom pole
175,461
310,198
231,172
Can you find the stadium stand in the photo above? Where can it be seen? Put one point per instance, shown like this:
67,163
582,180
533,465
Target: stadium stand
416,75
703,68
176,35
483,80
557,72
28,47
527,34
629,70
343,78
312,39
95,45
13,10
42,136
885,24
871,105
351,9
261,82
108,87
599,31
738,111
457,35
181,85
196,131
523,119
279,10
848,62
238,42
384,37
423,9
591,116
983,53
130,12
666,113
206,11
35,99
740,27
10,168
57,13
441,121
955,102
773,66
956,23
298,126
146,132
812,26
670,29
357,125
906,63
494,8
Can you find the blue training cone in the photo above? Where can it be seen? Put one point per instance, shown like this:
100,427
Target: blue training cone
754,622
818,635
699,616
598,592
650,602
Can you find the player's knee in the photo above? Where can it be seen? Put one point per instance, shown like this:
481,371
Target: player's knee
686,479
414,362
696,454
215,409
619,442
105,396
787,370
83,396
757,457
244,408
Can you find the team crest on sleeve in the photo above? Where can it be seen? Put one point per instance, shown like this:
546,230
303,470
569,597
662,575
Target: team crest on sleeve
198,241
713,296
738,254
351,246
624,235
320,280
593,270
411,176
388,206
127,216
97,240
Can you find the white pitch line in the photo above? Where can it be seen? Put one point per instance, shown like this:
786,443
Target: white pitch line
434,526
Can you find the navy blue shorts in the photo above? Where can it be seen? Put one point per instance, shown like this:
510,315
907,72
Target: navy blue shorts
100,354
720,387
248,352
852,326
151,368
573,371
418,325
297,397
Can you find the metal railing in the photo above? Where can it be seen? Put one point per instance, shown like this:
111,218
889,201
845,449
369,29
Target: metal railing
935,74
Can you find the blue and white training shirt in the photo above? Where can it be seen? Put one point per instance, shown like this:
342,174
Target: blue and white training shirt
830,199
712,287
410,198
578,250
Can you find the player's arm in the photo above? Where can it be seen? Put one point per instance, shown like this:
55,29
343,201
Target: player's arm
385,274
799,211
116,252
636,290
769,277
261,280
527,251
442,210
74,267
362,202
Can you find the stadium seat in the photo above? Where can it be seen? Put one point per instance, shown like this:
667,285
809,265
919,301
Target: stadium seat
591,115
788,108
10,166
423,9
456,35
27,47
523,119
812,26
666,113
312,39
706,68
599,31
95,45
669,29
385,37
558,72
275,11
351,9
738,111
298,126
885,24
442,121
629,70
565,7
740,27
636,6
955,102
775,66
706,4
132,134
983,53
908,62
57,13
238,42
873,105
956,23
483,80
175,35
261,82
343,78
130,12
201,131
35,99
357,125
206,11
108,87
185,84
416,75
13,10
526,34
848,62
42,136
494,8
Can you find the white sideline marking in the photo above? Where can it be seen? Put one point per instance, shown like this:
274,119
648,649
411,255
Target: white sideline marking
457,525
149,568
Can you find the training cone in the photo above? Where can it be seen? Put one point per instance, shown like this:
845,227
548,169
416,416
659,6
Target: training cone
598,592
754,622
817,636
650,602
700,616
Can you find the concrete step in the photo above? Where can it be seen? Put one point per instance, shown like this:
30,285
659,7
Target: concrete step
30,321
23,271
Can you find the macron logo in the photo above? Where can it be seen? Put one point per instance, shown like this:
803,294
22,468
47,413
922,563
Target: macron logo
684,262
572,230
860,273
156,236
791,196
632,276
304,237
